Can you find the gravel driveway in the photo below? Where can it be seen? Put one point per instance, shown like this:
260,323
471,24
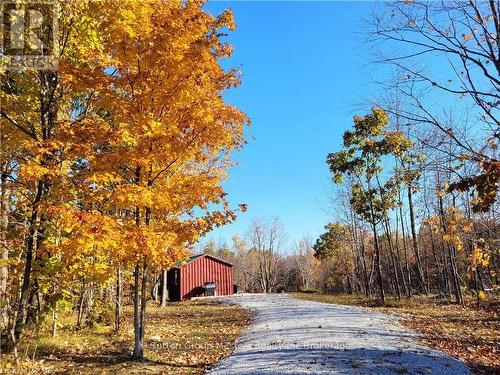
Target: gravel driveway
291,336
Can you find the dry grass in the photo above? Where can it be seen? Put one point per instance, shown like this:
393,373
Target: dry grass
182,338
470,333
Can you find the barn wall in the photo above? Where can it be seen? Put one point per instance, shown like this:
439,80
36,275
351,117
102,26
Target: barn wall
203,270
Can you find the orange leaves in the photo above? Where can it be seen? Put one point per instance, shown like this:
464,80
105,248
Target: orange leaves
129,196
160,248
80,244
452,227
226,19
32,171
172,132
139,139
480,256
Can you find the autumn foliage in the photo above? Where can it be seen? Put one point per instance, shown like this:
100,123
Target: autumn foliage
113,164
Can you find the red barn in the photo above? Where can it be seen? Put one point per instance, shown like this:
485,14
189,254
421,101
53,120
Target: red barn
201,275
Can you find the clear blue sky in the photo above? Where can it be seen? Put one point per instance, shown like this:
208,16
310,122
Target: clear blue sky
304,70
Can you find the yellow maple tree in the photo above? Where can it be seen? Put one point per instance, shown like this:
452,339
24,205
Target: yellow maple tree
125,147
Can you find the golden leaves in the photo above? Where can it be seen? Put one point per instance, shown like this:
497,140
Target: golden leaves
132,163
480,256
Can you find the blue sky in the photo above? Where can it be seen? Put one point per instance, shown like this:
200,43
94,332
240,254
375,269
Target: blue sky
304,72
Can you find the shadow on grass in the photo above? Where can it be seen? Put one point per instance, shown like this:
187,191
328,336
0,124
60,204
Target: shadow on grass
114,361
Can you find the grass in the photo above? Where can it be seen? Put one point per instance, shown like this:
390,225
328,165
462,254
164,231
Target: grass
182,338
470,333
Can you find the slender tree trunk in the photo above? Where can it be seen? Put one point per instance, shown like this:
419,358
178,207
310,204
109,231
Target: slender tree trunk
447,272
349,285
398,260
80,306
118,301
470,245
29,247
262,275
355,256
441,272
452,256
455,276
405,249
155,290
140,300
144,299
415,243
138,354
425,266
54,322
392,256
476,288
89,306
4,270
138,344
365,269
377,263
164,289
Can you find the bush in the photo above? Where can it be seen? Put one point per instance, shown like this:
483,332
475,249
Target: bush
102,314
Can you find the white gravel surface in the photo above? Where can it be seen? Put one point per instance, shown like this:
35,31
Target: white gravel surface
291,336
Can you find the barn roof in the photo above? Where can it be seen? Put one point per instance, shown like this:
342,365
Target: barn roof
198,256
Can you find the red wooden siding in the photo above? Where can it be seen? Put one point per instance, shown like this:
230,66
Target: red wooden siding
205,269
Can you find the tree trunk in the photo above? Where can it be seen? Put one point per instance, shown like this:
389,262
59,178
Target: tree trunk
377,263
455,276
144,300
405,249
90,302
54,322
446,273
140,299
420,270
164,289
365,269
393,260
138,345
400,266
452,256
80,306
29,247
155,288
368,288
48,121
138,354
118,302
476,288
4,270
439,267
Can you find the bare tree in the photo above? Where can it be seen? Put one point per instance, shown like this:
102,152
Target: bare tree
461,39
245,262
306,264
266,239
